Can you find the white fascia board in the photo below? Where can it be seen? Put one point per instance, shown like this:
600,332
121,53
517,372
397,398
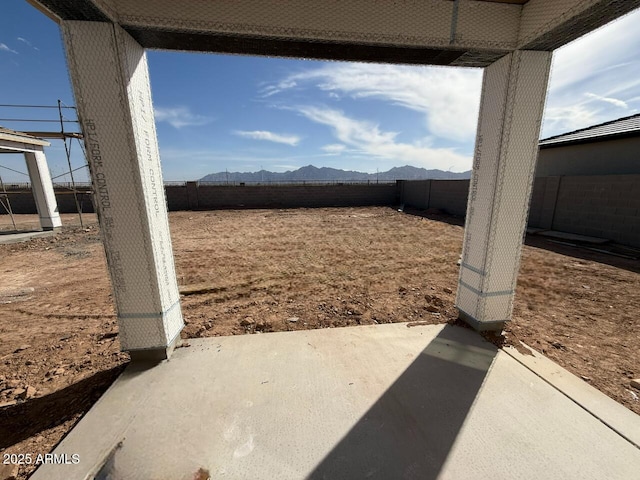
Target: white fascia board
12,146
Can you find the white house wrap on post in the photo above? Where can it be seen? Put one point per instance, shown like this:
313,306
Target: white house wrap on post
513,94
513,39
41,184
122,148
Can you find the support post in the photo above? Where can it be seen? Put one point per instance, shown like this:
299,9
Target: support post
513,96
110,77
42,188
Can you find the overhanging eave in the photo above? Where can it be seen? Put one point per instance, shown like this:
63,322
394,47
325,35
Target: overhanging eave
322,50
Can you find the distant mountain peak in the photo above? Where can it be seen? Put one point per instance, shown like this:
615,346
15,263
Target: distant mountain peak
311,173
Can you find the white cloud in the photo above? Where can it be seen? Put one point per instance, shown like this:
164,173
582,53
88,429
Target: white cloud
334,148
277,88
7,49
449,98
562,119
367,138
612,101
578,114
594,78
606,50
292,140
27,42
347,130
179,117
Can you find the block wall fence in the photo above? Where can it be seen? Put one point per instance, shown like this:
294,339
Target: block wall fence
605,206
193,196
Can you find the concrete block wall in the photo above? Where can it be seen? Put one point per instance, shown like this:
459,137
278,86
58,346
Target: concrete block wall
449,196
537,199
177,198
193,197
415,193
22,202
543,202
67,203
292,196
549,202
606,206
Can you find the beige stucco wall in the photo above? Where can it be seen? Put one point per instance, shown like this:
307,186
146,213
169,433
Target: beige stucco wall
611,157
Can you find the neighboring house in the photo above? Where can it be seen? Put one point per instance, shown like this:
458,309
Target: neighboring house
587,182
610,148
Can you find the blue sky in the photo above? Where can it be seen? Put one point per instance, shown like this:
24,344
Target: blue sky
217,112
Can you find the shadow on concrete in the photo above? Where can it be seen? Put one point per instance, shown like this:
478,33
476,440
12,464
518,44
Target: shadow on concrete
409,432
27,419
578,251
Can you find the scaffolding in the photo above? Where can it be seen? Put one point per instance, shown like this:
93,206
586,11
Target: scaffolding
6,203
62,134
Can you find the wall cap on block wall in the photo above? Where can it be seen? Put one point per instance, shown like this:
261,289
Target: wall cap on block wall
488,326
153,356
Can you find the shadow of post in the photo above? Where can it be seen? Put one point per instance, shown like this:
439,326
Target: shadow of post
29,418
409,432
13,232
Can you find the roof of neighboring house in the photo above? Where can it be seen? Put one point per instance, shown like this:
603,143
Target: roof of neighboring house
622,127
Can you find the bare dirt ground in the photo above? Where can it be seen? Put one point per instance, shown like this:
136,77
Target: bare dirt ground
274,270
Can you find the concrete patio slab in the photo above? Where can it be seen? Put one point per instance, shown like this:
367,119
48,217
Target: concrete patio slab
613,414
384,401
7,238
573,237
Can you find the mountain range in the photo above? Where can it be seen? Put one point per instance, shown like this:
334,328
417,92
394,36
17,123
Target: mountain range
327,174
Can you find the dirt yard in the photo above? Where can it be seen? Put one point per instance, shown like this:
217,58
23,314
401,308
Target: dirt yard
272,270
